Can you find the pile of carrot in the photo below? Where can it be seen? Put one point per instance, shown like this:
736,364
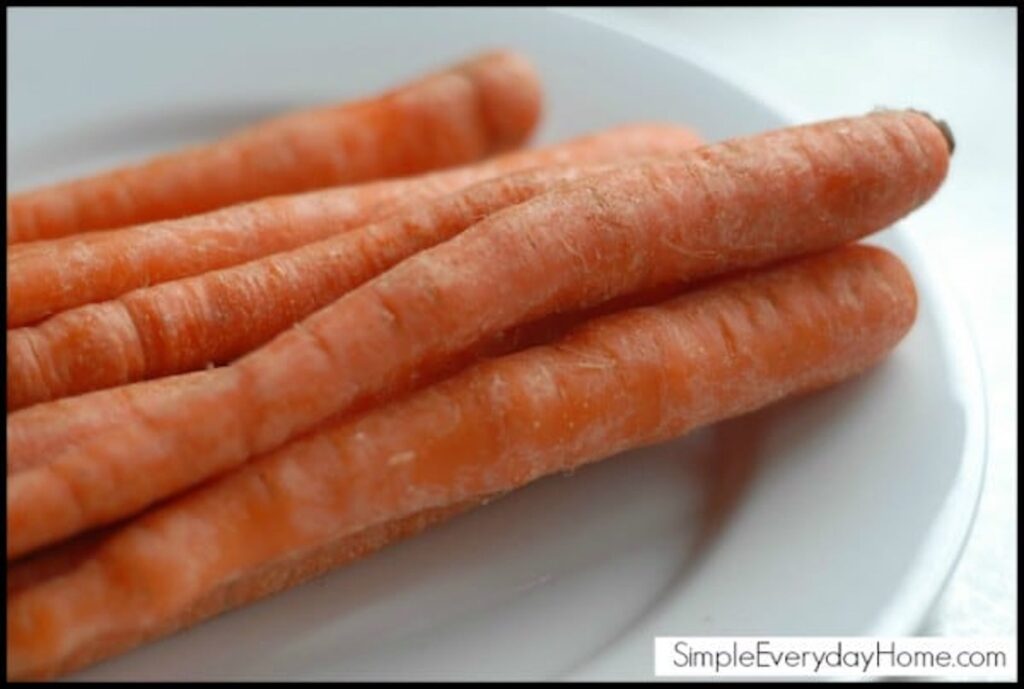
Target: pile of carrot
235,367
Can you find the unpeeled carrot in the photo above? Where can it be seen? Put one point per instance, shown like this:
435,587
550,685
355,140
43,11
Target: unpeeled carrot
454,116
62,558
44,278
53,561
213,318
66,557
739,204
633,378
36,434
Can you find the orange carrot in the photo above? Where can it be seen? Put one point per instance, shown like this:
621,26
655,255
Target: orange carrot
35,434
723,207
66,557
463,113
633,378
62,558
216,317
54,561
47,277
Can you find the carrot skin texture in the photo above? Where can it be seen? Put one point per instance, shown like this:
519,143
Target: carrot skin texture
739,204
51,276
63,557
629,379
463,113
53,561
185,325
35,434
277,576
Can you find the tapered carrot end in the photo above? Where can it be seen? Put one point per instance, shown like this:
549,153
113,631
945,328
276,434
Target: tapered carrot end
510,95
943,127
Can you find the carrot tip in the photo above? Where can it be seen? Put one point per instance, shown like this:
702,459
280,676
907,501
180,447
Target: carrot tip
942,125
947,131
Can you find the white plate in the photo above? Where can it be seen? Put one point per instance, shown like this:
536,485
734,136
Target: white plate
838,514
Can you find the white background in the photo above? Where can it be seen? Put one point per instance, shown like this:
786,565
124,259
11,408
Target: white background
960,65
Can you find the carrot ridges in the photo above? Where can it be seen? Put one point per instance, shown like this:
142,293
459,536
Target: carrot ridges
625,380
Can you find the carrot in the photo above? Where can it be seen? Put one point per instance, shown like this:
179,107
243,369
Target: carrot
35,434
460,114
633,378
54,561
48,277
64,558
719,208
215,317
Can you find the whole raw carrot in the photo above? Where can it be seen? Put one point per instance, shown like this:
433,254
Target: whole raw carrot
463,113
62,558
719,208
213,318
54,561
36,434
44,278
66,557
625,380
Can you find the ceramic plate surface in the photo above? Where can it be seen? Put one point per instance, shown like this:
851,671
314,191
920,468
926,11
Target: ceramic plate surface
838,514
